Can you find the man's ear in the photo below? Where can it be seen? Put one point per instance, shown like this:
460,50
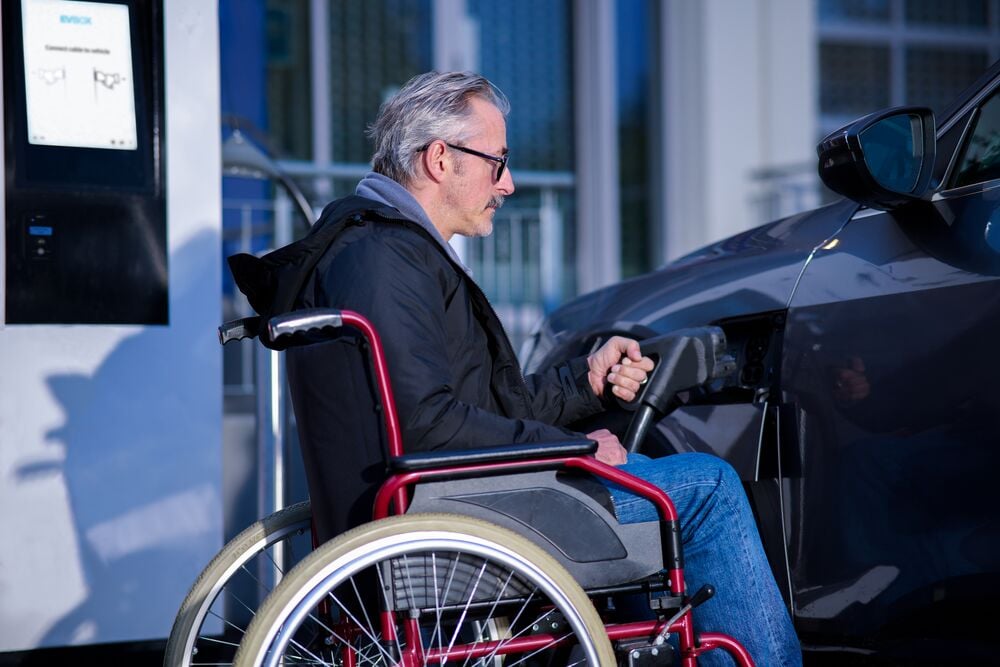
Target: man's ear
436,160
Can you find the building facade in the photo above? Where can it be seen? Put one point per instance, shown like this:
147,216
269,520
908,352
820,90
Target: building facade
641,129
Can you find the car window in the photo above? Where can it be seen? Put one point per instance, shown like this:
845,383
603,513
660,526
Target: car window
980,160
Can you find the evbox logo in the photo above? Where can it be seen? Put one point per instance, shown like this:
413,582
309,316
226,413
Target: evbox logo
75,20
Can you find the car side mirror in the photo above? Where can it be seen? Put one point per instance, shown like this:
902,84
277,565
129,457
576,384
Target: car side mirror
883,160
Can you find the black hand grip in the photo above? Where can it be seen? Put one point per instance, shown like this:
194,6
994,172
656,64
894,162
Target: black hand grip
310,320
703,595
245,327
643,418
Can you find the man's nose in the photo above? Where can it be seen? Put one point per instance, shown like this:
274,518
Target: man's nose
506,184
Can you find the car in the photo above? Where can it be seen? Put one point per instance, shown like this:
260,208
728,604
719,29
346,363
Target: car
864,414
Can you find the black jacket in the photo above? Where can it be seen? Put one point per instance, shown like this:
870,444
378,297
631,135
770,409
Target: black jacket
455,377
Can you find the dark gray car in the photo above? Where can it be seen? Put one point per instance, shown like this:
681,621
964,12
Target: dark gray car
865,412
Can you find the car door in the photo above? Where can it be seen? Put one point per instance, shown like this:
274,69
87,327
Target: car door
891,409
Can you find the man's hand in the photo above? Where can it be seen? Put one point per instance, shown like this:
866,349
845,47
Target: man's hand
609,449
620,363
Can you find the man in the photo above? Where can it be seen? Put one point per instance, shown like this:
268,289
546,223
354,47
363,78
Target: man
440,169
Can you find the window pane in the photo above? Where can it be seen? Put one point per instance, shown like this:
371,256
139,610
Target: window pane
981,159
288,78
935,76
854,78
859,10
964,13
525,49
375,47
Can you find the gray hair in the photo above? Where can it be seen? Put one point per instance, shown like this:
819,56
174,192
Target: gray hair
429,106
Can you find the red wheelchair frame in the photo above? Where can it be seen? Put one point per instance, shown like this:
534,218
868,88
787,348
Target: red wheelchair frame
393,498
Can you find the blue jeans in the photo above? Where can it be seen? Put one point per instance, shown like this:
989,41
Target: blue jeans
721,547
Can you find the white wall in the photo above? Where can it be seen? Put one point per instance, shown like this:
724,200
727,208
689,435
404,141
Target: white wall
110,436
738,95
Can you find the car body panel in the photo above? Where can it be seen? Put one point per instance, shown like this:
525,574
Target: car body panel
752,272
887,364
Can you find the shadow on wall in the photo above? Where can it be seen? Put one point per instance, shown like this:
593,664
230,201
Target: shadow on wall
142,464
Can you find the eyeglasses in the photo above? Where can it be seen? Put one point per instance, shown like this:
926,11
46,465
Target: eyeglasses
502,160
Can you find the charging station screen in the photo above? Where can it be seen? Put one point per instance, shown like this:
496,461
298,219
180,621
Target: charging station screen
78,74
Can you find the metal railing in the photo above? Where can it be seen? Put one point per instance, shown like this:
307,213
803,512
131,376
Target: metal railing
785,190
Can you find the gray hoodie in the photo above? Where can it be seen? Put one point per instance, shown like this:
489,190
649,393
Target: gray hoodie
384,189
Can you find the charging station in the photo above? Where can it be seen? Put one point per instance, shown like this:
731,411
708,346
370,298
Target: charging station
111,389
84,163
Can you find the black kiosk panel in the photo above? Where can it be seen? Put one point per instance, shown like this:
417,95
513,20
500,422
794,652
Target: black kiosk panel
86,236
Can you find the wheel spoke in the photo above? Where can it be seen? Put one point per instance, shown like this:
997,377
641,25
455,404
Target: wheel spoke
465,611
513,624
543,648
492,611
388,605
230,589
437,607
368,632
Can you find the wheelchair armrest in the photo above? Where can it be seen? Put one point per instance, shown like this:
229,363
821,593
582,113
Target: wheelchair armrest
504,454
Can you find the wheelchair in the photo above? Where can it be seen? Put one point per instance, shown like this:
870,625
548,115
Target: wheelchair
499,556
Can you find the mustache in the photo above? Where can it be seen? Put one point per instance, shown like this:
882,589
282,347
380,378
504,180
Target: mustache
496,201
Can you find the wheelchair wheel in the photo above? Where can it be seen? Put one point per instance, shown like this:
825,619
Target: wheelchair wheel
228,591
432,588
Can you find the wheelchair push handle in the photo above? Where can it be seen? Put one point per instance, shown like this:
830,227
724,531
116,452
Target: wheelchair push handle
685,359
299,327
312,321
283,331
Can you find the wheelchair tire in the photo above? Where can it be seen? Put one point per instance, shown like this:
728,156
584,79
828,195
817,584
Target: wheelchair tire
237,565
476,571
